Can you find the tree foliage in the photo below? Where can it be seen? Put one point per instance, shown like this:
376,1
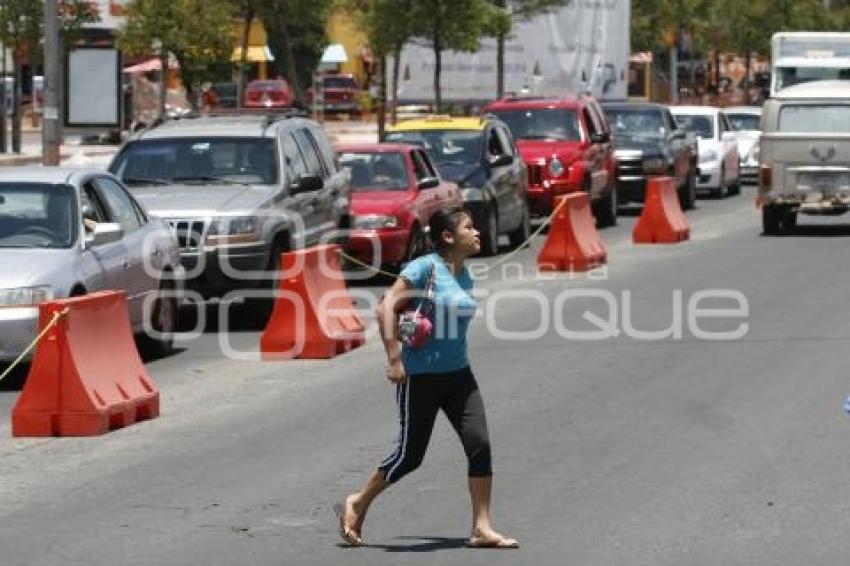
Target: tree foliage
296,36
197,32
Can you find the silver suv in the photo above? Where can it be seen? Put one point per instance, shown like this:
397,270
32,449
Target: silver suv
238,191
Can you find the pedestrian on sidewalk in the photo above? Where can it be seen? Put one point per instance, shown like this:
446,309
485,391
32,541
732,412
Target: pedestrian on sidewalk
432,377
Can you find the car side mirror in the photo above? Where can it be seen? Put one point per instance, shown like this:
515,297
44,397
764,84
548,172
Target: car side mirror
501,160
104,233
603,137
428,183
307,184
677,135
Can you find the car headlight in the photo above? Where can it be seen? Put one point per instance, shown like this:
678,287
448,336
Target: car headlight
655,166
234,226
709,155
556,168
25,296
375,221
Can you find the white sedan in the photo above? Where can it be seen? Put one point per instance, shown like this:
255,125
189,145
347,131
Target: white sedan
746,121
719,168
66,232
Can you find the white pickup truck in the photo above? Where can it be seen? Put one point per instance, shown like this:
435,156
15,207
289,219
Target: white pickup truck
804,162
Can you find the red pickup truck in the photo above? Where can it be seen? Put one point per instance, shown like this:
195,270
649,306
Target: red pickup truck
566,145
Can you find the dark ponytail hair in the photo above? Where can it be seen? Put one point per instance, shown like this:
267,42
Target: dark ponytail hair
444,219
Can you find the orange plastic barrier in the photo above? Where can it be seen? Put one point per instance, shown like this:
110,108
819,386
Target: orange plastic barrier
662,220
86,377
313,316
573,244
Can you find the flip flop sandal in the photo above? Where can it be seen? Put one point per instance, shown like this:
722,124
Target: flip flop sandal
503,542
345,532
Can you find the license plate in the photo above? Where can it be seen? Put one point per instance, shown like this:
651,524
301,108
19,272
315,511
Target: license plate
824,181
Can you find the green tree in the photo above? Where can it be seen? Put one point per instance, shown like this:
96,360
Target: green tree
501,23
458,25
296,31
197,32
388,24
22,30
246,10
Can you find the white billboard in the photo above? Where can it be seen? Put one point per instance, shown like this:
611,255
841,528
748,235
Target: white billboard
581,47
93,88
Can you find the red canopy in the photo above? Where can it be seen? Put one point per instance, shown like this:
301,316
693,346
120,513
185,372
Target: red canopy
150,65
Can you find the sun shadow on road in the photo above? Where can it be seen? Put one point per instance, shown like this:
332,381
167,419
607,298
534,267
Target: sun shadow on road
421,544
817,231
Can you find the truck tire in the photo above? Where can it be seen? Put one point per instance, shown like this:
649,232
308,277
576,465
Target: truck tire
774,220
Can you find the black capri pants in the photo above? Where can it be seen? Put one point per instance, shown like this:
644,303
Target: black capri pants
419,398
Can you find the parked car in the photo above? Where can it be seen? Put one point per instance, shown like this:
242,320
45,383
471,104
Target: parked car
648,142
395,188
805,149
226,94
746,123
479,155
340,93
66,232
268,94
719,168
566,145
238,191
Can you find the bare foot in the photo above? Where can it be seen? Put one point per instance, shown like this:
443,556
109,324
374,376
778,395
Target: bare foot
349,522
490,539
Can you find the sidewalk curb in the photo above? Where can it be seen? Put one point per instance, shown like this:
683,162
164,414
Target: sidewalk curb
13,160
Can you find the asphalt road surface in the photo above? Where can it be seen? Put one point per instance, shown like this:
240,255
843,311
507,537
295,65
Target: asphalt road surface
632,449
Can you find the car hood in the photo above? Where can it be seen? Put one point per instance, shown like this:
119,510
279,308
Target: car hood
379,202
201,200
458,172
27,267
534,151
746,140
709,145
641,143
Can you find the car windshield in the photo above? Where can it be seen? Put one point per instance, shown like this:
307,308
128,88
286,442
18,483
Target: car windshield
699,124
376,171
267,85
202,160
789,76
744,121
447,147
815,119
339,82
37,215
636,123
556,124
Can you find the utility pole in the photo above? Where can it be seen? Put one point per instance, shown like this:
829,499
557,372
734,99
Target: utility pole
50,125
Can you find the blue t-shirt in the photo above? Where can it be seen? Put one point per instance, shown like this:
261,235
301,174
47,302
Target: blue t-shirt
454,307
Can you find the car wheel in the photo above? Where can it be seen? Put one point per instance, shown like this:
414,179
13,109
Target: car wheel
261,307
162,320
490,233
687,194
721,191
521,235
605,209
417,245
